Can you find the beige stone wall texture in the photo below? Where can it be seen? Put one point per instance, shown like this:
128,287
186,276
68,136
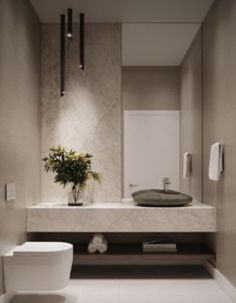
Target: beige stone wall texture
88,117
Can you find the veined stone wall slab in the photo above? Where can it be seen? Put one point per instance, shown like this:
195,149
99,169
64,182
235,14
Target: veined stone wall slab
88,117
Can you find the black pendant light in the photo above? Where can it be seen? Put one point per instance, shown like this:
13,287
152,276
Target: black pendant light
68,33
81,42
62,57
70,23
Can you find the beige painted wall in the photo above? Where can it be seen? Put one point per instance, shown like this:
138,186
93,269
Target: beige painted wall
191,118
219,122
150,88
19,117
88,117
219,105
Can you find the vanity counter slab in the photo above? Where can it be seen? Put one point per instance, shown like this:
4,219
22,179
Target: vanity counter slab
120,217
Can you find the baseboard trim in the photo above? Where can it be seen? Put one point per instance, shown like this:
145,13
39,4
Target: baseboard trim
224,283
6,298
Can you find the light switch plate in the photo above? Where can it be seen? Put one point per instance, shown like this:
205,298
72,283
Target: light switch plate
10,191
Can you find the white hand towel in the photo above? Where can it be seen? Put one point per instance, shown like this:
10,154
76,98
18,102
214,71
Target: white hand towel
187,165
92,248
216,161
97,238
102,248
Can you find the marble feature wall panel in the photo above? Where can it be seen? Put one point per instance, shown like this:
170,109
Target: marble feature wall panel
191,118
88,117
219,124
150,88
19,118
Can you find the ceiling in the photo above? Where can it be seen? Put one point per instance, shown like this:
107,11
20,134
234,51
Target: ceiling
125,10
160,44
154,32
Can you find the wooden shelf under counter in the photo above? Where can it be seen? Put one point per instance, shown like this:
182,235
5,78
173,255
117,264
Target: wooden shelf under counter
131,254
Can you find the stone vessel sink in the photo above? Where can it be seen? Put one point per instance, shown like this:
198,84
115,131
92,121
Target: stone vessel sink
158,197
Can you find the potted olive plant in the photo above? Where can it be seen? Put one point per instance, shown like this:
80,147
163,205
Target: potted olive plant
70,167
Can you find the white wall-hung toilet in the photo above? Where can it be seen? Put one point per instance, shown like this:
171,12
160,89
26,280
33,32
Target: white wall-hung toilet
38,266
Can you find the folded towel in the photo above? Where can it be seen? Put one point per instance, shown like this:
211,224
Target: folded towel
159,247
97,238
102,248
187,159
216,161
92,248
98,244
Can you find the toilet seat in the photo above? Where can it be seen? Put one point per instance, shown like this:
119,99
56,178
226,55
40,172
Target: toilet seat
41,248
38,266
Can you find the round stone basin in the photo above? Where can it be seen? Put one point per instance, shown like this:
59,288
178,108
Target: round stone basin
158,197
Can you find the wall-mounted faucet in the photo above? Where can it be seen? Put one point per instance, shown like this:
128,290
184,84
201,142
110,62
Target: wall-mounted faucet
166,182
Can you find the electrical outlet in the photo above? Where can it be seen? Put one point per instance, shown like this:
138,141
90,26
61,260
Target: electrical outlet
10,191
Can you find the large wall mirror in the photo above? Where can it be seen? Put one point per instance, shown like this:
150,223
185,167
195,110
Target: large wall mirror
152,54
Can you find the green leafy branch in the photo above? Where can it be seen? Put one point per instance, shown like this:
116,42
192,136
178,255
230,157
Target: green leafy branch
70,166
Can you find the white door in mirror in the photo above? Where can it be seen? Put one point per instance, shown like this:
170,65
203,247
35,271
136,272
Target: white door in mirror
151,149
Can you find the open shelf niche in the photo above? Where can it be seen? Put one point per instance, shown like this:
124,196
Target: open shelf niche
132,254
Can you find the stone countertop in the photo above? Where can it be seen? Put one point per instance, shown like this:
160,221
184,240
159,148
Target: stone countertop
116,205
120,217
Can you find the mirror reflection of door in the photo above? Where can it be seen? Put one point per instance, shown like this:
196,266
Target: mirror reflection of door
151,149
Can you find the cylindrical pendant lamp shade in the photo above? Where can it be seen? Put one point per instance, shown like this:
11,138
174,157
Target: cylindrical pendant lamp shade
62,57
81,44
70,23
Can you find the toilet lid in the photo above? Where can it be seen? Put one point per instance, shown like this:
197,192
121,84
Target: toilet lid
42,248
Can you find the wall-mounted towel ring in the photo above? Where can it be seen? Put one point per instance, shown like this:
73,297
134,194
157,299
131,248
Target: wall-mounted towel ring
216,165
187,165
